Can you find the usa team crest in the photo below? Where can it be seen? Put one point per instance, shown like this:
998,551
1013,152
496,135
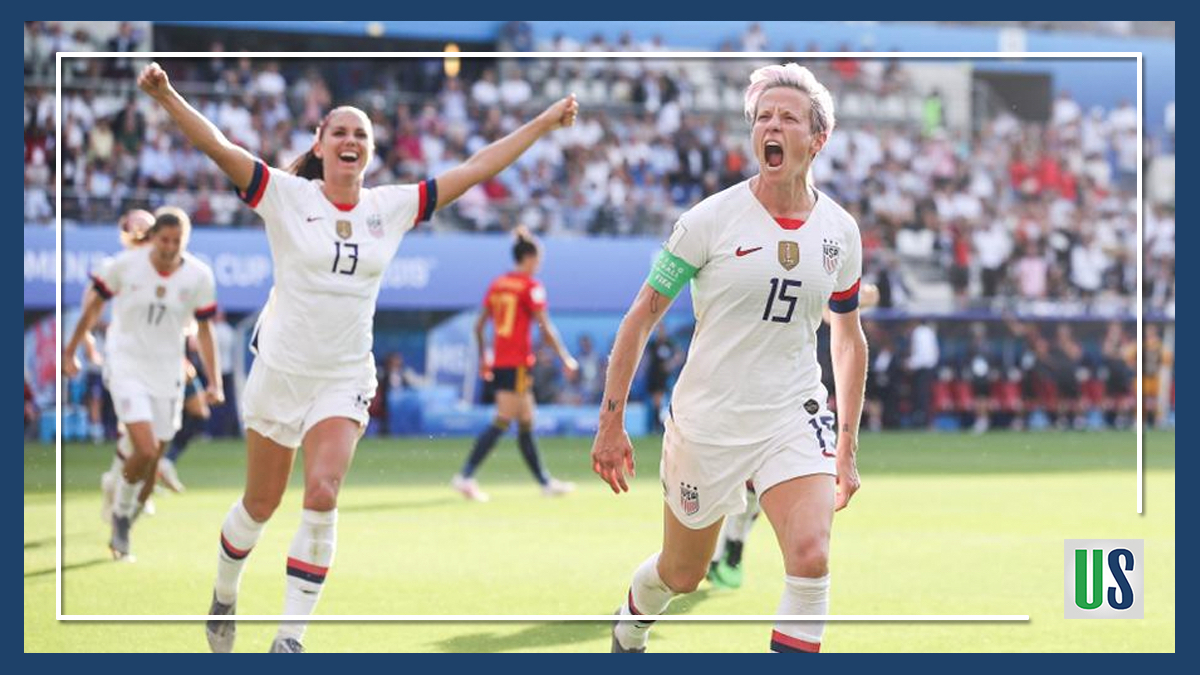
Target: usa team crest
689,498
344,229
375,225
832,256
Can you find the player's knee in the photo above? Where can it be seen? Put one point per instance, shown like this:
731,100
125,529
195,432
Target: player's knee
682,578
260,508
808,556
501,423
321,493
525,425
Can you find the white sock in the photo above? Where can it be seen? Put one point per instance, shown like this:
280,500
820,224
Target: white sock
801,595
647,595
239,534
117,466
309,559
126,502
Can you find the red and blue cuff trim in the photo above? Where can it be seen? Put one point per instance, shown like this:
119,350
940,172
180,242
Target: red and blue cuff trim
428,200
787,644
633,608
101,288
206,313
258,185
306,571
231,551
845,301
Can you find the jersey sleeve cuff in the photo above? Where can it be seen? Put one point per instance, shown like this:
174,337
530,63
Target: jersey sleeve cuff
428,200
207,312
258,185
101,288
845,301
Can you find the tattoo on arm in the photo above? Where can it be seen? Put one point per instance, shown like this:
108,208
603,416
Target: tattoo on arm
612,405
654,302
846,427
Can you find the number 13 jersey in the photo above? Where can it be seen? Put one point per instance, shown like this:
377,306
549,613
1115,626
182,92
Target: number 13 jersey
329,261
758,292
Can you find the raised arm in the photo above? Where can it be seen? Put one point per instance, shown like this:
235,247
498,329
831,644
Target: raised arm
550,333
848,350
234,161
495,157
93,305
612,451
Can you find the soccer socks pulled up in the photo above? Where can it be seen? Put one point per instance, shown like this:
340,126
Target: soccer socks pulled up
126,502
529,453
308,561
239,534
483,445
647,595
801,595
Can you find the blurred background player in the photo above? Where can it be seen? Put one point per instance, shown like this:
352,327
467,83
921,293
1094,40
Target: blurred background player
725,570
764,257
312,382
196,413
159,290
513,301
663,358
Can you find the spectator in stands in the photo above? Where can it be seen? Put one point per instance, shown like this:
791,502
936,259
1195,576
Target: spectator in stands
923,356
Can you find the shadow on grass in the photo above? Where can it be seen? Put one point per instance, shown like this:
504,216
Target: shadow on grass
547,635
38,543
72,566
400,505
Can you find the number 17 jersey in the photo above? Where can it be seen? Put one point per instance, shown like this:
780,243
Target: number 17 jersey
758,293
511,301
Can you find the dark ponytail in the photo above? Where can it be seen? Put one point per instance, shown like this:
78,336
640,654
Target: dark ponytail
525,244
308,165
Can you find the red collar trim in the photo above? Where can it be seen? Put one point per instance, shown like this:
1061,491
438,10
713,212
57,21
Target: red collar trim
790,223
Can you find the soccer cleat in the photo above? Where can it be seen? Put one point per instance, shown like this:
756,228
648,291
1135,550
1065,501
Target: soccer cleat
468,488
221,632
119,542
108,494
283,645
556,488
168,475
725,575
617,648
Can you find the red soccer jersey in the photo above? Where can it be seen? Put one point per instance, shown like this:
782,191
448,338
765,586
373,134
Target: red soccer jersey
511,301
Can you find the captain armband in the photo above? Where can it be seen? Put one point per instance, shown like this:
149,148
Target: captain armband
670,274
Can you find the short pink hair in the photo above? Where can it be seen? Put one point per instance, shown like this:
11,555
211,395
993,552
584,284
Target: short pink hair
797,77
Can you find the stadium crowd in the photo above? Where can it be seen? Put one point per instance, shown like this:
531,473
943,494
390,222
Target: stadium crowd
1010,215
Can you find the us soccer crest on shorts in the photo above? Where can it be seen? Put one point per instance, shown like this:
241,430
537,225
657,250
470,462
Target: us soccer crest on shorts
689,498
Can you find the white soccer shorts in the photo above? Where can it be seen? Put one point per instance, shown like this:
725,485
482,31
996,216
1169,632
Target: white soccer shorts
703,483
134,404
283,407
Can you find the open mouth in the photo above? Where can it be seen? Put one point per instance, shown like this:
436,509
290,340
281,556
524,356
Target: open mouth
349,157
773,153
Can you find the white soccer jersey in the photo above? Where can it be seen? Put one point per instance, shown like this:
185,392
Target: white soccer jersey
150,315
758,293
329,262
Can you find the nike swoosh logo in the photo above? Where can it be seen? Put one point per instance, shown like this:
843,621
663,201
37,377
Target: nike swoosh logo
312,218
746,251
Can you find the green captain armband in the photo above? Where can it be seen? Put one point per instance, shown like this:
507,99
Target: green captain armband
670,274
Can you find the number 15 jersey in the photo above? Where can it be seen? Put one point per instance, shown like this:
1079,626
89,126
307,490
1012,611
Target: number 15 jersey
329,261
758,289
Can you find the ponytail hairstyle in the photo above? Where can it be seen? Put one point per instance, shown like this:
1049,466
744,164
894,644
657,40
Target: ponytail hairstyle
132,235
172,216
308,165
524,245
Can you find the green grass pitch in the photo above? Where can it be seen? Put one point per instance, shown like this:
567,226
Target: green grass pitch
944,524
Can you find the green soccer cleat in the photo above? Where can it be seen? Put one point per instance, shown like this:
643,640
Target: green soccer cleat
725,575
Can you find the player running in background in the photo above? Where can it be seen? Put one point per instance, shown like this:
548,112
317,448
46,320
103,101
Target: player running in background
513,301
764,257
158,289
725,569
311,384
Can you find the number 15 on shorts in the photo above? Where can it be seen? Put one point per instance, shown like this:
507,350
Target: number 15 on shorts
825,425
